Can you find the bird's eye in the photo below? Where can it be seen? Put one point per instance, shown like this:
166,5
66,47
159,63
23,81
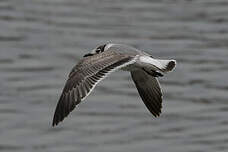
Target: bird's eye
98,50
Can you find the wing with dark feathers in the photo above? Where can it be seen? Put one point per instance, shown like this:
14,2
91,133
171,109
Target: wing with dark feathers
84,77
149,90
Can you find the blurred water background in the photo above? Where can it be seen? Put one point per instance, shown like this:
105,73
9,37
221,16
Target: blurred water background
41,40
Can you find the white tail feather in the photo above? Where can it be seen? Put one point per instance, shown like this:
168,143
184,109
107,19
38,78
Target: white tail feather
166,65
161,65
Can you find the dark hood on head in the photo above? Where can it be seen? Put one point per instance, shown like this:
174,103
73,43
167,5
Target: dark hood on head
98,50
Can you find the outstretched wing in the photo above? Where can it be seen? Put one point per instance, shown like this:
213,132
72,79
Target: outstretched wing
84,77
149,90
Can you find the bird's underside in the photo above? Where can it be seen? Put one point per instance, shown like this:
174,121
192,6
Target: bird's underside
95,67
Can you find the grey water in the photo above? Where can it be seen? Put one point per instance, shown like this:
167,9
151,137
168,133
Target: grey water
41,40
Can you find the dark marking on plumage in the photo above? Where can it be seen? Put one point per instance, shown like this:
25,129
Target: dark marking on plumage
153,73
88,54
157,74
98,50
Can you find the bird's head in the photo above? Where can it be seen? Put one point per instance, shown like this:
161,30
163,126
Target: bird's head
98,50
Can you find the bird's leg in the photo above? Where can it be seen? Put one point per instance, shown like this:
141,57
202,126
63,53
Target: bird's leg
153,73
156,74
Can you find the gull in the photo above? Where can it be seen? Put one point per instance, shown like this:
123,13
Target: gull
105,59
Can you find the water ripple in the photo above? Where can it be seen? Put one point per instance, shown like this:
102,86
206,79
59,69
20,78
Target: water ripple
42,40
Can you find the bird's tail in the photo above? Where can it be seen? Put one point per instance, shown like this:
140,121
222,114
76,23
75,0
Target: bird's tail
165,65
158,64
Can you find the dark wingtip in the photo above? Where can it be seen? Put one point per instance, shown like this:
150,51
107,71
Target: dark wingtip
59,112
55,120
156,114
62,110
54,124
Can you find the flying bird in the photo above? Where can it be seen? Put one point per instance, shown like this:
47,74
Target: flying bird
102,61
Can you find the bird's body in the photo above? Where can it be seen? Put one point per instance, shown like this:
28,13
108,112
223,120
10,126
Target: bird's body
105,59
